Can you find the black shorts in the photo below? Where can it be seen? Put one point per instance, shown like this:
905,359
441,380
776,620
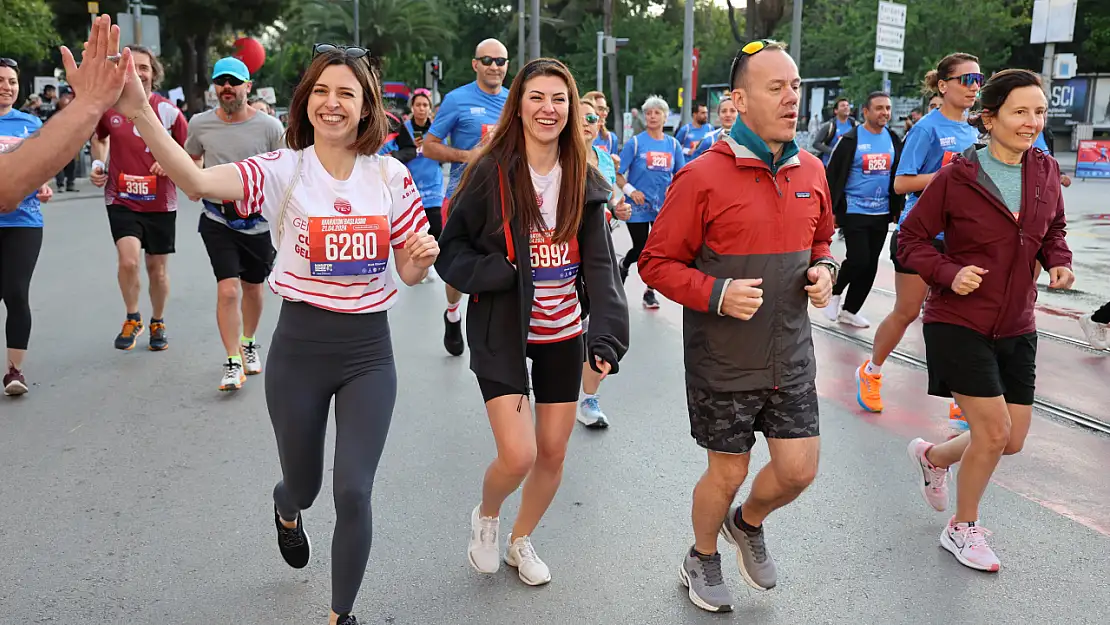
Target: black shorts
968,363
727,422
556,374
249,257
898,267
156,232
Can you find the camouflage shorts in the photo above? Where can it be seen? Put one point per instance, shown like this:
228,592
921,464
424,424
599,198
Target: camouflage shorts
727,422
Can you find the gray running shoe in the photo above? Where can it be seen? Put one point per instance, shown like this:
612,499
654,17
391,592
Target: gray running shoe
706,582
756,565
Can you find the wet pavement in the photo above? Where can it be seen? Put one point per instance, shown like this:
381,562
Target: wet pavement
137,493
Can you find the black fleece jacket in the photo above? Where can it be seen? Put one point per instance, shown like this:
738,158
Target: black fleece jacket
841,163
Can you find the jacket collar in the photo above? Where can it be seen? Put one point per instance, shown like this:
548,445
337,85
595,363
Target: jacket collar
745,144
1034,165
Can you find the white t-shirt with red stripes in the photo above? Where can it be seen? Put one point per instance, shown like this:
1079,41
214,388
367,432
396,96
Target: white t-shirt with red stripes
556,312
333,243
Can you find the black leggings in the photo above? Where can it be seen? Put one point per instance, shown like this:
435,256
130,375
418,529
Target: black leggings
864,236
1102,315
639,233
435,220
19,253
317,355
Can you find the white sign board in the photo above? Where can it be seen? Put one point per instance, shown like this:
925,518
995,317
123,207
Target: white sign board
892,14
42,81
1064,66
150,31
267,94
890,37
1053,21
889,60
175,94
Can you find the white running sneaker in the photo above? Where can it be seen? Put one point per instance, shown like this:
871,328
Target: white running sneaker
233,376
1095,332
590,414
252,359
933,481
522,556
968,542
485,534
855,320
833,309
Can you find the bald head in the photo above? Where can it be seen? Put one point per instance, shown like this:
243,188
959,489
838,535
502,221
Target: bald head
491,76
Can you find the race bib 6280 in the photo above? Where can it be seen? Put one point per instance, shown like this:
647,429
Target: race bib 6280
659,161
348,246
139,188
876,163
553,261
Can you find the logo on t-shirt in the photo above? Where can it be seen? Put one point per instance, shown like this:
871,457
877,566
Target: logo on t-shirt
947,141
801,194
270,156
116,120
342,206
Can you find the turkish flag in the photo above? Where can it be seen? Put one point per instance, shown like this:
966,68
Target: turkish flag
694,83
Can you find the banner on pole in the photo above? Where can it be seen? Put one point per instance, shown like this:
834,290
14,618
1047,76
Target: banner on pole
1093,159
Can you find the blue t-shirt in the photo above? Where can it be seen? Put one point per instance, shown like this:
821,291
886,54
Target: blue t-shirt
605,165
707,142
649,165
1041,143
427,175
690,136
466,115
609,145
934,141
14,128
868,188
842,128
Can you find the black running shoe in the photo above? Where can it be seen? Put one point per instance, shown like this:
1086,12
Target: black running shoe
158,340
293,543
347,619
623,269
453,336
649,300
132,328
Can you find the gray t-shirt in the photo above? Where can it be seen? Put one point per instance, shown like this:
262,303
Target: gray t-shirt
1005,176
221,142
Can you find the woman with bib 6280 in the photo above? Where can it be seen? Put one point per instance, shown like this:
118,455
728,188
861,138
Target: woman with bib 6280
336,208
527,240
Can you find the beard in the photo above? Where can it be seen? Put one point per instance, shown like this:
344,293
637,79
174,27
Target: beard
233,106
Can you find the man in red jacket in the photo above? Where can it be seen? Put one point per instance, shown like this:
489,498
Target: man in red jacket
742,242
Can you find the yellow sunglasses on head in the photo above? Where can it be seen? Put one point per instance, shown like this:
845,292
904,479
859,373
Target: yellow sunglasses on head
754,46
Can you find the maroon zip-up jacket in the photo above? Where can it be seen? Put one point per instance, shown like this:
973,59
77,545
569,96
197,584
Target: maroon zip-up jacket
964,203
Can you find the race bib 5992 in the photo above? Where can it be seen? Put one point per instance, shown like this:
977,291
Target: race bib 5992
348,246
553,261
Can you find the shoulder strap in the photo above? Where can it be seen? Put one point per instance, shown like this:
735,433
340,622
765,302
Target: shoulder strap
288,195
505,222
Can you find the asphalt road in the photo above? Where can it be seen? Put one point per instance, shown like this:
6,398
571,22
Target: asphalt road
137,493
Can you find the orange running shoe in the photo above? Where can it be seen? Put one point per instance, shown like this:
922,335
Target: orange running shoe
956,420
869,388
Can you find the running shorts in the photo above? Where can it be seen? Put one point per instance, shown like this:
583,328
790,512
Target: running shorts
726,422
233,254
966,362
156,232
556,373
898,267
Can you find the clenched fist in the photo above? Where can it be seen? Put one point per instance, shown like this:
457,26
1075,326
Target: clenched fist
968,279
742,298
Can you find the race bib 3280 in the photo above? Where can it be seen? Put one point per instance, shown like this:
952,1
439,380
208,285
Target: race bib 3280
138,188
348,246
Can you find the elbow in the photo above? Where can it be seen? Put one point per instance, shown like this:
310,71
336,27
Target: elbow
902,185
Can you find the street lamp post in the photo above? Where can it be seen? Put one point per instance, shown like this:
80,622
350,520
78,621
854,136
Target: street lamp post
356,23
688,61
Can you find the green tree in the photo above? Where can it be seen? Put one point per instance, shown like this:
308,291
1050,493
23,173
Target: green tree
387,27
26,29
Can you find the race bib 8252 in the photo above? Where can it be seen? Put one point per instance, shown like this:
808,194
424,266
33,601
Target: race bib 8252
348,246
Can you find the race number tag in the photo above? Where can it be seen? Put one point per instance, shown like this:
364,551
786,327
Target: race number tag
348,246
138,188
553,261
659,161
7,144
948,156
487,128
876,163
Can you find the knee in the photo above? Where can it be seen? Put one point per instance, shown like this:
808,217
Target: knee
797,478
905,315
156,271
994,436
351,500
227,291
1014,444
550,457
518,460
728,475
128,263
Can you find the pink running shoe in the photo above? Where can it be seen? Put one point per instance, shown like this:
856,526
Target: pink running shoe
933,481
968,542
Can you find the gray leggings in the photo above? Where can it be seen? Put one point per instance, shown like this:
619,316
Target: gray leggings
316,355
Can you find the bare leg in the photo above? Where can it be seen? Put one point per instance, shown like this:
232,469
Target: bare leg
713,496
591,380
252,308
157,272
792,469
128,250
554,424
15,357
515,435
911,292
227,314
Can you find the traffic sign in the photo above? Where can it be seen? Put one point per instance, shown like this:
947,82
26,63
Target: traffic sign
887,60
890,37
892,14
94,7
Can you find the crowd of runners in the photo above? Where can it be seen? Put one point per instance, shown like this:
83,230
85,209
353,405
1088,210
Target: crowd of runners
329,218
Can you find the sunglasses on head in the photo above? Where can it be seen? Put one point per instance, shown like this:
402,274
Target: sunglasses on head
224,80
973,78
592,118
6,62
353,52
750,49
490,60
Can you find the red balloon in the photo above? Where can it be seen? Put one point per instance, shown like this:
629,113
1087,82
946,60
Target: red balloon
250,52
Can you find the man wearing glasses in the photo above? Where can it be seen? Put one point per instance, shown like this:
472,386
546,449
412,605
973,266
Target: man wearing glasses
746,285
467,116
239,249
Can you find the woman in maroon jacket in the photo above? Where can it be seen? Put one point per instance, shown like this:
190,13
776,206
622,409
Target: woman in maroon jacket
998,207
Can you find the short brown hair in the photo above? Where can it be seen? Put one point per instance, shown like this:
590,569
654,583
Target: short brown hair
155,64
372,129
